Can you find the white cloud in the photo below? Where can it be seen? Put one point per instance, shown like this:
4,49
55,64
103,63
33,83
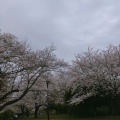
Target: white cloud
72,25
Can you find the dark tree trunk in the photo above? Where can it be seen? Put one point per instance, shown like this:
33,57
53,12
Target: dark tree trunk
36,110
22,110
27,112
48,115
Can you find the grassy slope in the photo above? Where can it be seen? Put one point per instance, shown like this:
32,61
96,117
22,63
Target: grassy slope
65,117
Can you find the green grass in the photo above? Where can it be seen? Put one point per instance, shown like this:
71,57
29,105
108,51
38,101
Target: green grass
66,117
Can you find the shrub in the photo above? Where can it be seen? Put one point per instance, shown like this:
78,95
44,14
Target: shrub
6,115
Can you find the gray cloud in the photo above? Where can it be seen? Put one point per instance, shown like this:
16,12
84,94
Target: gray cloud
72,25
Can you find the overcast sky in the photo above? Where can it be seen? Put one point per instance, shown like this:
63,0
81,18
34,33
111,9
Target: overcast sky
71,25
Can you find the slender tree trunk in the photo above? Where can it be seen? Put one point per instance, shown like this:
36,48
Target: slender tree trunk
48,115
27,112
22,110
36,110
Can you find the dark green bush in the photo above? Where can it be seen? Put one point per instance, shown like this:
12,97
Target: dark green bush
6,115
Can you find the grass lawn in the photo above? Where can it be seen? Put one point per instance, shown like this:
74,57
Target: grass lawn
66,117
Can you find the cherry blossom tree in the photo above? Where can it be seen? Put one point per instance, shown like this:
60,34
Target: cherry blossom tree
47,92
96,73
21,67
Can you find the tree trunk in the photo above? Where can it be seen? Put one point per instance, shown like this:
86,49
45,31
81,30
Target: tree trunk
22,110
36,110
48,115
27,112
